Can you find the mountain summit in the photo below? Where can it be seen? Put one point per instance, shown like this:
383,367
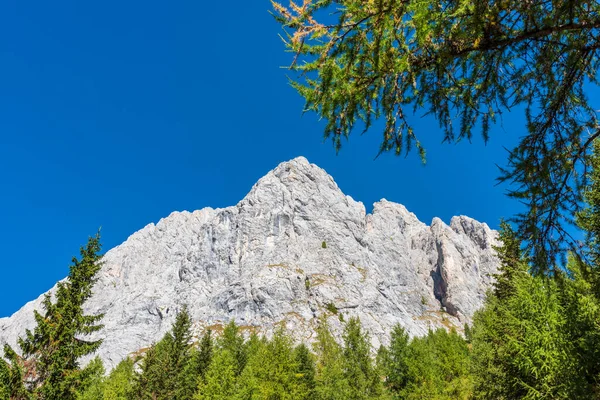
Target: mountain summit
295,249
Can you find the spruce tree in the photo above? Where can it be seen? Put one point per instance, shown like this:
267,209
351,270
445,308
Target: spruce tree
4,379
233,341
588,219
51,352
397,364
196,367
15,376
219,382
305,372
270,372
358,366
162,370
331,381
151,383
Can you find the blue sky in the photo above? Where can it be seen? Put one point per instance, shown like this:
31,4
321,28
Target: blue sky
115,114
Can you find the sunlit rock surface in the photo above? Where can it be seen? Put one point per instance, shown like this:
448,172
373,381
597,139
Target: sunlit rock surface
292,248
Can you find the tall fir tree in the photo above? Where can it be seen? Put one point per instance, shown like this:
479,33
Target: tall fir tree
588,219
362,378
305,372
196,367
396,367
331,381
219,382
162,369
51,352
233,341
270,372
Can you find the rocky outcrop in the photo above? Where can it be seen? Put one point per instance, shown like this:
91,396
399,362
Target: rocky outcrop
294,249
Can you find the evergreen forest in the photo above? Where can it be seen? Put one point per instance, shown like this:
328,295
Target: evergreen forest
537,337
359,61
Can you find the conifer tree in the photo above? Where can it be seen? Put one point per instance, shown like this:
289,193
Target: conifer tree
151,383
52,351
363,381
397,364
331,382
588,219
196,367
163,367
270,372
305,372
4,378
219,382
15,376
233,341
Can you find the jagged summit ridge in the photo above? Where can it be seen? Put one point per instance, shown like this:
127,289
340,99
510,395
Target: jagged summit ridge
294,246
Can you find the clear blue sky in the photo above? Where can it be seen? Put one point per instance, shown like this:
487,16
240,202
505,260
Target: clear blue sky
115,114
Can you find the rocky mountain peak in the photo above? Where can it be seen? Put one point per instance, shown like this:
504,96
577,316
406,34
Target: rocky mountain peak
295,249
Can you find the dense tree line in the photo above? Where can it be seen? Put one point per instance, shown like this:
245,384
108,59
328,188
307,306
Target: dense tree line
537,337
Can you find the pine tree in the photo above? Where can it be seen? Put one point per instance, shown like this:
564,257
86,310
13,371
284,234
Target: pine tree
360,373
219,382
196,367
331,382
397,364
511,259
305,372
163,367
233,341
120,383
270,372
51,352
588,219
152,381
92,380
4,379
15,376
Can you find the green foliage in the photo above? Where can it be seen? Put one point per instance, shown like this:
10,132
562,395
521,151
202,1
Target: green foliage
271,371
540,341
465,63
196,367
51,352
359,371
4,379
437,367
219,383
163,367
119,385
331,308
323,245
396,361
304,372
14,382
588,219
92,379
331,381
233,341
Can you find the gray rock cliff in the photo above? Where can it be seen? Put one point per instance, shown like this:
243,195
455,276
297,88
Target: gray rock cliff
294,246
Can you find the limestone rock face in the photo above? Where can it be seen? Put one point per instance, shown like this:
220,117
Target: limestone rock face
292,248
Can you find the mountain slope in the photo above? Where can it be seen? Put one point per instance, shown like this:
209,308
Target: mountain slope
294,249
